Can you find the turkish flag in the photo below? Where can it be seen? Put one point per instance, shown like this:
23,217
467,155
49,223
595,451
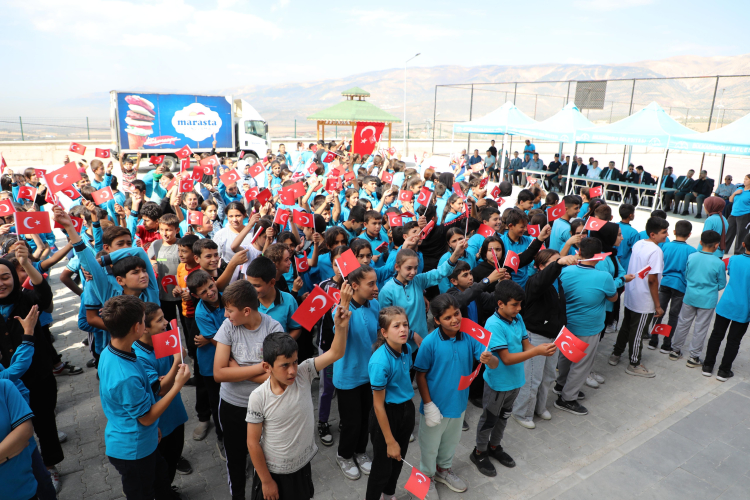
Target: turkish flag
6,208
77,223
185,165
598,256
531,180
256,170
427,230
366,135
568,336
726,263
335,293
63,177
40,173
303,219
333,184
418,484
312,168
282,217
405,195
644,272
102,153
251,194
211,161
302,264
197,174
569,349
71,192
33,222
3,164
457,190
382,247
242,154
484,182
263,196
77,148
495,192
466,380
480,334
156,160
184,152
391,151
594,224
485,230
347,263
494,257
287,197
313,308
27,193
298,189
52,199
186,185
257,234
500,202
329,157
595,192
554,213
167,343
388,177
195,217
334,172
424,196
230,177
348,176
394,219
168,280
533,230
103,195
665,330
512,260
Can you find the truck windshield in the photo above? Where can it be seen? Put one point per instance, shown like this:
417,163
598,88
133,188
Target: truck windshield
255,127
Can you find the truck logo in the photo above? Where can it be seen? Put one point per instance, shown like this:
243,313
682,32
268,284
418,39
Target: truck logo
196,122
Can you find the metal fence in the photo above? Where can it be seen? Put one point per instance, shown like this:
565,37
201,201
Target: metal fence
34,128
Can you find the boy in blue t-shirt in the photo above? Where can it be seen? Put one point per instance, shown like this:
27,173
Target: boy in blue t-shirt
504,375
128,401
261,272
673,284
516,241
16,473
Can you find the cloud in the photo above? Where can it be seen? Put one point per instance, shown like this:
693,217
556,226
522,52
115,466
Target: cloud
609,5
403,24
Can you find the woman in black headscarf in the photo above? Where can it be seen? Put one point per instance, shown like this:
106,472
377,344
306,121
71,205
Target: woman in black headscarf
16,301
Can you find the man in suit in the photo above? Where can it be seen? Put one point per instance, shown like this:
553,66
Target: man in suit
554,179
580,170
611,174
629,176
701,190
644,178
684,185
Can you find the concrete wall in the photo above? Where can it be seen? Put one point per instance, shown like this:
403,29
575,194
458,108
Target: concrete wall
22,154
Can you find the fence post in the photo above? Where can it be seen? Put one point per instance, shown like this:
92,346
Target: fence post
295,128
630,112
567,96
710,117
21,122
88,130
471,110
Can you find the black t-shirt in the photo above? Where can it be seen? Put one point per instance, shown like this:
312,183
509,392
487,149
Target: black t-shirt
493,150
553,166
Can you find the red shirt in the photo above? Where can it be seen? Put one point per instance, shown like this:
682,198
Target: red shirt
188,307
147,237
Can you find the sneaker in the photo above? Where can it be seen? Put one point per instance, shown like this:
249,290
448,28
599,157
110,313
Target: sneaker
364,462
651,346
348,467
693,362
411,437
674,355
54,475
482,461
707,370
557,389
465,426
639,371
498,454
324,432
646,336
184,467
545,415
526,423
611,328
201,431
432,493
665,350
221,450
597,377
591,382
573,407
85,341
724,375
614,359
450,479
91,363
67,369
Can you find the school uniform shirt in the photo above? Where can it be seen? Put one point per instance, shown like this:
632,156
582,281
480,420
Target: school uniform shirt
209,320
586,290
714,223
560,234
735,301
705,276
247,349
444,360
445,284
16,475
522,244
106,181
584,209
90,302
637,294
619,277
475,244
410,295
175,414
288,421
741,204
351,370
381,238
389,372
126,395
676,254
282,308
19,364
505,335
629,237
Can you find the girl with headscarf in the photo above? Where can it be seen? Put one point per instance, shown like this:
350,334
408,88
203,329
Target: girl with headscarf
716,222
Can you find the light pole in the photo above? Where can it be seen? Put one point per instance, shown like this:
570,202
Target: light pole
407,62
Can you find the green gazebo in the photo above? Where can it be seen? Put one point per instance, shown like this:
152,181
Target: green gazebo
354,109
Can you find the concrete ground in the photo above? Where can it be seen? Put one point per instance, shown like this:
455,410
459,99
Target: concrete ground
679,435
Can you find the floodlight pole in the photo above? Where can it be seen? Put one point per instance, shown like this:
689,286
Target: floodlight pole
407,62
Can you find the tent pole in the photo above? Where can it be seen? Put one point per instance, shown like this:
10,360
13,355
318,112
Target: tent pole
657,199
630,155
501,159
721,168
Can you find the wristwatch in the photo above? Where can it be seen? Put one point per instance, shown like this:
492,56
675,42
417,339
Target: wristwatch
485,281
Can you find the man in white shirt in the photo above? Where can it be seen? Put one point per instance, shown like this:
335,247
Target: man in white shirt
594,171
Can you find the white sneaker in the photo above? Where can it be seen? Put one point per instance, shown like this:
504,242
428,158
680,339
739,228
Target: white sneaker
364,463
591,382
432,493
411,438
545,415
597,377
611,328
61,436
348,467
450,479
528,424
54,475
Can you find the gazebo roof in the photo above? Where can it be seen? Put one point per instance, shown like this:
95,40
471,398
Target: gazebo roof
356,91
352,110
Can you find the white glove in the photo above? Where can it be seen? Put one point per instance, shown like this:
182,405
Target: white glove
432,414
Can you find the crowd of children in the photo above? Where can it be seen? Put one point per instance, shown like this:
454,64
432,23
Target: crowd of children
224,269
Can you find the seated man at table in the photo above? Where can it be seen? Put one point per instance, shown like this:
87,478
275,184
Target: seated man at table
724,191
535,164
553,180
579,170
683,185
611,174
513,172
701,190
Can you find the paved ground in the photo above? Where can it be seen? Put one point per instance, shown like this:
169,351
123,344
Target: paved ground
679,435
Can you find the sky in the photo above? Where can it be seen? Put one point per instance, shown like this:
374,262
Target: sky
56,53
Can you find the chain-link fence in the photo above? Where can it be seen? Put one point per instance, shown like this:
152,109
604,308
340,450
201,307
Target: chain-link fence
34,128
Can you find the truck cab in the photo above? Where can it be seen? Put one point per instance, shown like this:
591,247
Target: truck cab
251,131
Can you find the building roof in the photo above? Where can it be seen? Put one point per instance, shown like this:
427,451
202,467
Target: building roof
356,91
353,111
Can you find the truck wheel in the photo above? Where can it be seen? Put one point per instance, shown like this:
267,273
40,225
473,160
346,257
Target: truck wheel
171,164
250,158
